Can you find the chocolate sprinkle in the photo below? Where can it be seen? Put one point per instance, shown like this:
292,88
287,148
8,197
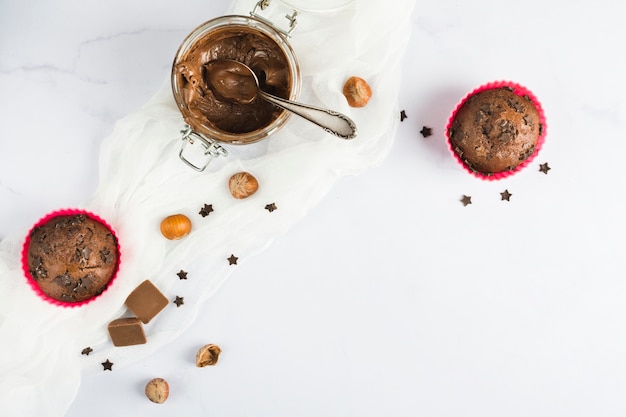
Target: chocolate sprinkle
466,200
182,274
544,168
86,351
403,115
270,207
107,366
206,210
426,131
179,301
506,195
232,260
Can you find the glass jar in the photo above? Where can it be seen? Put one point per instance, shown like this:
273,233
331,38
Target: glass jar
211,133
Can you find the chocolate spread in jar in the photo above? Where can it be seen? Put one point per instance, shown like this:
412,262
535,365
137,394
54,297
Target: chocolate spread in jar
203,107
231,81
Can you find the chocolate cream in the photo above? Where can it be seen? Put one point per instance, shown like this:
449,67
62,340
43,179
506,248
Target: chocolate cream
202,106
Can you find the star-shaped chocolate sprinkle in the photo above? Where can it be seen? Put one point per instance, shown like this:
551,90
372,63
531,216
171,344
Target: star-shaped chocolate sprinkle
182,274
403,115
505,195
86,351
206,210
232,260
270,207
466,200
544,168
179,301
107,366
426,131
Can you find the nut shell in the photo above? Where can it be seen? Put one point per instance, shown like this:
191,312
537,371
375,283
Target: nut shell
175,226
157,390
242,185
357,91
207,355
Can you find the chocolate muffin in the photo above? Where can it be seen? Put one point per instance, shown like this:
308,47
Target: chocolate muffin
72,257
495,130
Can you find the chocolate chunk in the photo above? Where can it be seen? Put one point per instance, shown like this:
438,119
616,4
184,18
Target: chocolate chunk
516,105
528,121
63,280
38,272
127,332
146,301
106,256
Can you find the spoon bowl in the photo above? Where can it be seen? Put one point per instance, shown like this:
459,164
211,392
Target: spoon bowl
234,81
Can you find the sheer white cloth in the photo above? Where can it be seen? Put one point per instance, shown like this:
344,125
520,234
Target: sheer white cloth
142,180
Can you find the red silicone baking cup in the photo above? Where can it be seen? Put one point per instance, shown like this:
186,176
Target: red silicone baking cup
31,281
520,91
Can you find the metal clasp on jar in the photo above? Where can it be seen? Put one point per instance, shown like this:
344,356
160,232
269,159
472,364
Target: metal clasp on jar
262,5
211,149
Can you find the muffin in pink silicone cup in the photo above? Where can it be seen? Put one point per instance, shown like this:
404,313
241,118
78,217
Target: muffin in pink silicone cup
496,130
70,257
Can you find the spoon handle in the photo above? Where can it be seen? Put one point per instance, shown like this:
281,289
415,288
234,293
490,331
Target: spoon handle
331,121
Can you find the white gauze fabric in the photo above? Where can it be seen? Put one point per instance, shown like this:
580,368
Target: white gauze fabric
142,180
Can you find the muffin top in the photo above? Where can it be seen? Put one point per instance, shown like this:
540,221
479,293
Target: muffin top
72,257
495,130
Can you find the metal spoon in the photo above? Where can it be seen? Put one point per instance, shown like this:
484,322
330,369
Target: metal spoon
236,82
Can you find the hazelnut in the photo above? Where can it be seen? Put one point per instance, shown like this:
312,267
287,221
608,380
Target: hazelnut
242,185
357,91
157,390
207,355
175,226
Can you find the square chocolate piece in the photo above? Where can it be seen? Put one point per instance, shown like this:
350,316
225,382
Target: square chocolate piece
146,301
127,332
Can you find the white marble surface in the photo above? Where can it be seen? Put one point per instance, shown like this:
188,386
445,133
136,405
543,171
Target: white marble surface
391,297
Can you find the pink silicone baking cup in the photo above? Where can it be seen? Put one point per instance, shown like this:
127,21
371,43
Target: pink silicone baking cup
520,91
31,281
